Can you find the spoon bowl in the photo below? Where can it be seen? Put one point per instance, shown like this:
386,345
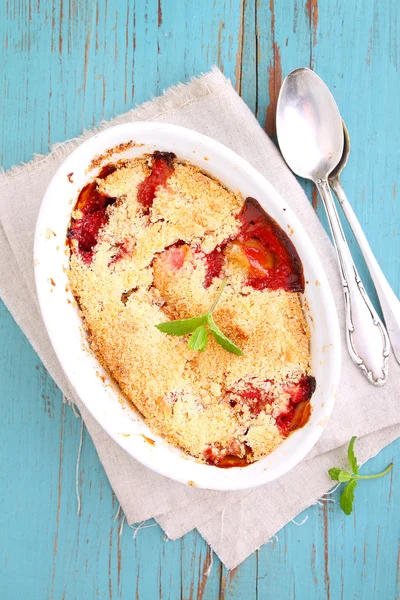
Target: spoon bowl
335,174
309,125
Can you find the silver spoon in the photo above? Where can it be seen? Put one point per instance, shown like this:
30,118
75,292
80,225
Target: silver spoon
310,135
389,302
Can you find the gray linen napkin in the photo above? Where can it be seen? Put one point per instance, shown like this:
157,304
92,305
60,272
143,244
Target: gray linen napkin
233,523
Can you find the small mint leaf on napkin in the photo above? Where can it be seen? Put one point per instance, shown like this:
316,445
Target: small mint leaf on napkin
352,458
334,473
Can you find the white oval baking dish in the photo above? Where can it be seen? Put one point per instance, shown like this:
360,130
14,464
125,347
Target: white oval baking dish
100,395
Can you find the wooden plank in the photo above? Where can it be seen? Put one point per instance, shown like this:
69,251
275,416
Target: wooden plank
200,569
240,583
31,406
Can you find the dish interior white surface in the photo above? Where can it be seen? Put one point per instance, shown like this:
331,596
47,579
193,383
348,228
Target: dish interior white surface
100,395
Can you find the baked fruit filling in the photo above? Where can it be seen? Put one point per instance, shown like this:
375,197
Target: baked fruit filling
151,240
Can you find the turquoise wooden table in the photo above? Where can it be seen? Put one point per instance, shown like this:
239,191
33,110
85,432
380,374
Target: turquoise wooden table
68,64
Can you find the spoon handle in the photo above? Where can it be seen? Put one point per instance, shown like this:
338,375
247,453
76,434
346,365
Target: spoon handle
390,304
367,340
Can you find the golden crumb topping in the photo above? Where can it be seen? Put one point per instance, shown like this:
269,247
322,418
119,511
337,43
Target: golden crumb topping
151,241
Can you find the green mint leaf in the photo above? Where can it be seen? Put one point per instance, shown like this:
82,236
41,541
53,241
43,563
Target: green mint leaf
347,497
198,339
352,457
221,338
344,476
334,473
182,326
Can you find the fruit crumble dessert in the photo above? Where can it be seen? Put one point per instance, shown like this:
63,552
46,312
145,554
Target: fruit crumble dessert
151,240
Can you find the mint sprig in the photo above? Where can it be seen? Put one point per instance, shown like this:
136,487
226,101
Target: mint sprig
199,327
351,479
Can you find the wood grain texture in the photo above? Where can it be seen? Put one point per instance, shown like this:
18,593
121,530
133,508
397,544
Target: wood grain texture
68,64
